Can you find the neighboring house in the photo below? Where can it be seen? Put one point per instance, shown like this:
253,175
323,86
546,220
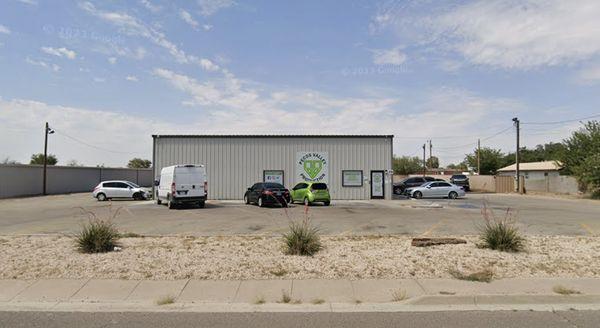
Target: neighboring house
534,170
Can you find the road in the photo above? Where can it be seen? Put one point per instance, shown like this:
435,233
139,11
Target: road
289,320
534,215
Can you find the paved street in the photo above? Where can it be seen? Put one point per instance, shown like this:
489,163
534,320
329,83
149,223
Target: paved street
535,215
468,319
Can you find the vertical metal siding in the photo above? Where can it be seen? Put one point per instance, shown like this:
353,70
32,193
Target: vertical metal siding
234,163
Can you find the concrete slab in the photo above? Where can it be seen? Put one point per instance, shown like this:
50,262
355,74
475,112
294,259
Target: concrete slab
50,290
442,300
152,290
215,291
269,290
383,290
319,289
536,299
540,286
105,290
11,287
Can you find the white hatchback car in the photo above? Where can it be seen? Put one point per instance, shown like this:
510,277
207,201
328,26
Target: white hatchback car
119,189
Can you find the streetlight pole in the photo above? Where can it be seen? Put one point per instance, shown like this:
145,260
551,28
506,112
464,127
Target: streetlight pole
517,157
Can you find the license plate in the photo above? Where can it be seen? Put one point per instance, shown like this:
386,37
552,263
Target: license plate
278,193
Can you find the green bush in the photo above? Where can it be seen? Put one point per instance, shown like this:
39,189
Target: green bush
500,234
302,239
97,236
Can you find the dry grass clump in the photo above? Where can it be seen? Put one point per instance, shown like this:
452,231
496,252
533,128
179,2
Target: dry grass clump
165,300
317,301
302,239
260,300
565,290
399,295
500,233
485,275
98,236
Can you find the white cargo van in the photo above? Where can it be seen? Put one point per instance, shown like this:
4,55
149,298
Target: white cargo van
181,184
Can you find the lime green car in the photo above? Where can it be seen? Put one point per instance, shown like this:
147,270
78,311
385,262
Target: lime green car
310,192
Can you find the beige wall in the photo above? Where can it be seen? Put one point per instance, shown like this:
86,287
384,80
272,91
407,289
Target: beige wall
553,184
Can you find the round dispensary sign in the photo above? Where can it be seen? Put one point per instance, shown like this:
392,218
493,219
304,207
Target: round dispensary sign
312,166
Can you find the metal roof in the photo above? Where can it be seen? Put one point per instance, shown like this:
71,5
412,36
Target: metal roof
534,166
272,136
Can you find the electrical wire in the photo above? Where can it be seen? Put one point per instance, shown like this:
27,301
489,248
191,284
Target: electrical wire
94,146
562,122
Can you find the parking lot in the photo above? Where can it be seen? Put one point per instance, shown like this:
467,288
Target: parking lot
64,214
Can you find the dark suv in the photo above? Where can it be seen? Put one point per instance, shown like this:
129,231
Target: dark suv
461,180
409,183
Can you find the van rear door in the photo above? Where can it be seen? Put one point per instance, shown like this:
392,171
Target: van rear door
189,181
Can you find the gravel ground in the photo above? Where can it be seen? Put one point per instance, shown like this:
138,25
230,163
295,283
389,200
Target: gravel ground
255,257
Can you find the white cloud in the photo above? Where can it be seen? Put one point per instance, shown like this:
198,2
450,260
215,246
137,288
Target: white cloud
511,34
210,7
131,78
43,64
589,75
29,2
4,29
112,60
150,6
132,26
187,17
60,52
99,79
388,56
208,65
207,27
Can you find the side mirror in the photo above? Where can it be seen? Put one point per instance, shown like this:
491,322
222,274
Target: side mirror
130,187
428,187
156,183
249,189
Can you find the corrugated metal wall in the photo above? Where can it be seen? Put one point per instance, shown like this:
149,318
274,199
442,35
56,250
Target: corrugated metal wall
235,163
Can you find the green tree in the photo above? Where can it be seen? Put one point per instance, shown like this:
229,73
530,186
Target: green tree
9,161
581,157
433,162
39,159
406,165
548,152
138,163
460,166
74,162
490,160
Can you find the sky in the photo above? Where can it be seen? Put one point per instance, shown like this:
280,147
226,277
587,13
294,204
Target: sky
107,75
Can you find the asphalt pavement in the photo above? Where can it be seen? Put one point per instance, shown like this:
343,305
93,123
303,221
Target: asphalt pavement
465,319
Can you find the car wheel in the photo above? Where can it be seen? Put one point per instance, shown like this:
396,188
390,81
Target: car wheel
170,204
418,195
260,202
397,191
326,203
246,200
306,202
137,196
101,197
453,195
158,201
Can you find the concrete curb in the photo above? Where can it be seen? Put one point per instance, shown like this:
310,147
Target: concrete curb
98,295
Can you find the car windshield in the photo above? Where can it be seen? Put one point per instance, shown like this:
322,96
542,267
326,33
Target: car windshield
133,184
319,186
273,186
459,176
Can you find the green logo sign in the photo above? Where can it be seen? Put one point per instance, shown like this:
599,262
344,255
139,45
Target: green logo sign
313,167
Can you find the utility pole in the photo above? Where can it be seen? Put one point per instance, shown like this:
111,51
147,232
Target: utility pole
430,147
47,131
478,157
424,162
517,157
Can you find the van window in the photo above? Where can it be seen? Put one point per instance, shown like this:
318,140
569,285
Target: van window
318,186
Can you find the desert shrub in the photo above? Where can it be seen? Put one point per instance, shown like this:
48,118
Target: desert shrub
485,275
97,236
500,233
302,239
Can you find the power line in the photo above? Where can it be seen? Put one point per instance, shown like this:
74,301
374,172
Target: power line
562,122
482,139
93,146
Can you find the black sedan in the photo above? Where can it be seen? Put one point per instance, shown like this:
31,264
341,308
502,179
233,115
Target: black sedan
410,182
267,193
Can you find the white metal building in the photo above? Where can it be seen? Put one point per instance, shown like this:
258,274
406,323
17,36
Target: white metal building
354,166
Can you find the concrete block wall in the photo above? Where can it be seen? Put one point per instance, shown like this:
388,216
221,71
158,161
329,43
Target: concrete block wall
27,180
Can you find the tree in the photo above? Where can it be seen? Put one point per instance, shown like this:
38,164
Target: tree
582,156
490,160
138,163
548,152
9,161
39,159
433,162
406,165
460,166
74,162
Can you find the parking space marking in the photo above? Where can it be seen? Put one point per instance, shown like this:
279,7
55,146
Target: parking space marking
433,227
588,229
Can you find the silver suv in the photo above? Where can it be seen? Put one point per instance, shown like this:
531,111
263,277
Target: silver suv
119,189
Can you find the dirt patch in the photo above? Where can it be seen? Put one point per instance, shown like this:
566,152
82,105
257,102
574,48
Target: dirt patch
255,257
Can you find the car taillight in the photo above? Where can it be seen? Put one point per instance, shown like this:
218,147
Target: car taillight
173,187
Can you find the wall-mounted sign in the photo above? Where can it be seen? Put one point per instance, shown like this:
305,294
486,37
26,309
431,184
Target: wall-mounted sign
352,178
275,176
312,166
